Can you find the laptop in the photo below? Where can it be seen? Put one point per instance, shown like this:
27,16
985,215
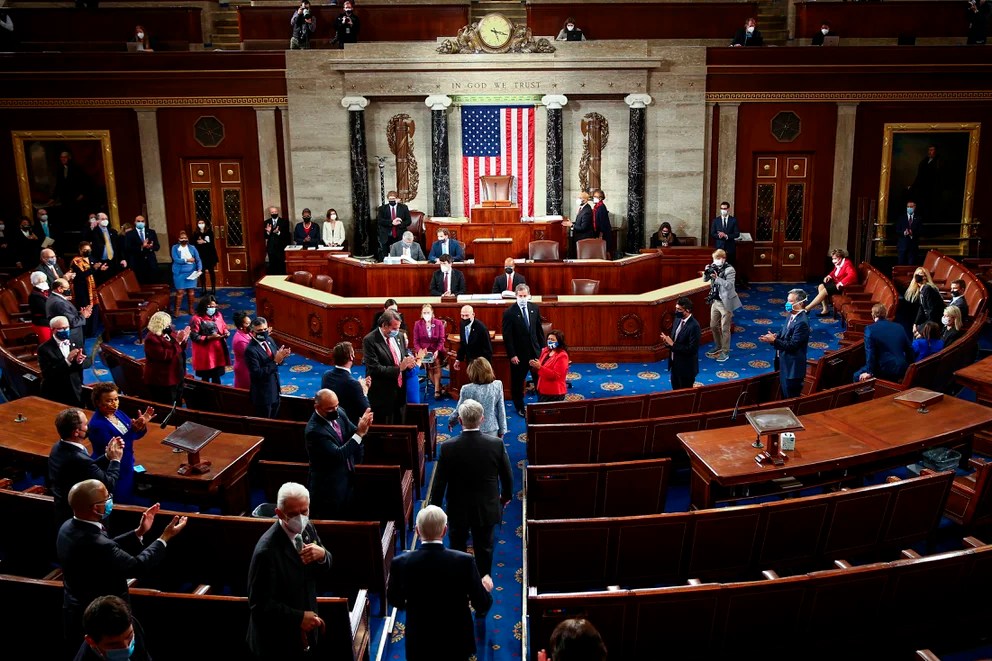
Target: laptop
831,40
132,47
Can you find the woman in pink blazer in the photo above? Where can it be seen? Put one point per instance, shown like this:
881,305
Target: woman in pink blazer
428,334
242,322
842,275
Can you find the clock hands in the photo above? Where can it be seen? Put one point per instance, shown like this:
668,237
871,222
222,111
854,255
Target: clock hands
497,32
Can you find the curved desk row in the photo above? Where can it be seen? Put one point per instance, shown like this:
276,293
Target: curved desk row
615,328
638,274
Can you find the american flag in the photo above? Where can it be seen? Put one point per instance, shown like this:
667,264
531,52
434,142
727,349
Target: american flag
498,140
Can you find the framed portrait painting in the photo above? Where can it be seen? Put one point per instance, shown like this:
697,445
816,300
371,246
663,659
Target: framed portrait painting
932,165
68,173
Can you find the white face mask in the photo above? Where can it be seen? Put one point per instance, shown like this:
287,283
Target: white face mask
522,300
824,31
724,212
719,262
104,223
334,216
579,201
596,200
945,320
445,269
750,30
201,225
427,316
570,27
43,286
140,35
297,523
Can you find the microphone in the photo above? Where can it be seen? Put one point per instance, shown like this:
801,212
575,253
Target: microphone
179,398
733,416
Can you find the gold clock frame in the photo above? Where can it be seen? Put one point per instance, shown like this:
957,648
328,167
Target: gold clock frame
505,47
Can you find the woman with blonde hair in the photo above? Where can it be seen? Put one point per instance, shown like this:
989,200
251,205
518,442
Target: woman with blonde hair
486,389
952,324
165,358
923,292
428,334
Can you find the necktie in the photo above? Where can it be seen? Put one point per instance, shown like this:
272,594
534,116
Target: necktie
268,349
393,217
141,233
298,542
447,286
509,282
108,246
394,349
349,461
678,328
468,331
444,248
523,311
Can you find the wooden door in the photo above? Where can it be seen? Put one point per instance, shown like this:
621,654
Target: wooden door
215,194
783,195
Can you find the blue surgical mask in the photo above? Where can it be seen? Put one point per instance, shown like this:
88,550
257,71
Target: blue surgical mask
140,226
910,210
120,654
50,261
394,333
788,307
211,312
62,334
552,345
108,507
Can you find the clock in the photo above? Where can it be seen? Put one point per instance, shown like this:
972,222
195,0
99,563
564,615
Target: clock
495,31
786,126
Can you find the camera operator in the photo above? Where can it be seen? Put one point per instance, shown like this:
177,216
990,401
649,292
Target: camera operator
978,21
723,301
304,24
346,26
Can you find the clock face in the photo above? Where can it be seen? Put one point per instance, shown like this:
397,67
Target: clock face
786,126
495,31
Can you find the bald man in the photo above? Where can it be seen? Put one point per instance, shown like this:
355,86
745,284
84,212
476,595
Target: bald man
475,339
50,267
509,280
334,446
95,564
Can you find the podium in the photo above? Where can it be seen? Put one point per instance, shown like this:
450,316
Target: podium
494,215
191,437
491,252
771,424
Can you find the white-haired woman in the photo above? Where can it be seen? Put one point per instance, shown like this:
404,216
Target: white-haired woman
922,291
165,358
37,300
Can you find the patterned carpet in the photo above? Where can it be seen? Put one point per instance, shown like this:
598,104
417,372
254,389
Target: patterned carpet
502,634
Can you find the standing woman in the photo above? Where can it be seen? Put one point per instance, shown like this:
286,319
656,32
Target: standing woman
922,291
428,334
203,240
486,389
601,221
209,333
332,233
37,300
185,261
84,285
242,338
552,368
109,422
165,358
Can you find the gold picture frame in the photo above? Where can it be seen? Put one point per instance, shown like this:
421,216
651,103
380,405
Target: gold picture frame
35,156
904,150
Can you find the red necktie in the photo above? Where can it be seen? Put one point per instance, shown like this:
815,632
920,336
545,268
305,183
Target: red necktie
509,283
268,349
393,213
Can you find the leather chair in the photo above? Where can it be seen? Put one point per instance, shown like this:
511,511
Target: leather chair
304,278
323,282
590,249
22,287
496,187
584,287
543,251
418,223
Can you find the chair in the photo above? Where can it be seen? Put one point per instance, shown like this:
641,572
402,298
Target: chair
584,287
324,283
590,249
543,251
418,220
496,187
304,278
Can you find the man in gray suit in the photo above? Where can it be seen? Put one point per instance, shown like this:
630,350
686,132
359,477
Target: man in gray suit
58,305
408,248
723,301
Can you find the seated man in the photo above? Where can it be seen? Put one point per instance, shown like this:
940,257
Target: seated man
446,280
509,280
957,298
407,249
749,35
111,632
446,246
888,351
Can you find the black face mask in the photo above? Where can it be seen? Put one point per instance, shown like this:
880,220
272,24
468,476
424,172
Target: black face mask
392,203
183,242
306,219
87,253
274,216
331,416
167,330
466,322
679,314
262,336
919,279
508,270
955,292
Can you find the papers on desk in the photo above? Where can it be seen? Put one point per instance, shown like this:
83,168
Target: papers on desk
479,297
195,275
329,247
542,219
288,248
400,260
444,220
508,294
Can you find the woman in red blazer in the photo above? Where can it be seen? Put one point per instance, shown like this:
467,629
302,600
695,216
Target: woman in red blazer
841,276
165,358
552,368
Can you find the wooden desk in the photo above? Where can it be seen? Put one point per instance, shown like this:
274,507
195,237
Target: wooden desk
30,442
632,275
978,377
521,233
501,366
854,439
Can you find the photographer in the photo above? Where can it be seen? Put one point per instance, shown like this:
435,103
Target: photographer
304,24
346,26
723,301
978,21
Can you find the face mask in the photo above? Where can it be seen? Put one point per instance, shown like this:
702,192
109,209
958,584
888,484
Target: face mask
392,202
306,219
297,523
579,201
167,330
666,232
750,30
427,316
26,229
394,333
680,314
108,507
509,270
260,336
140,35
87,253
44,218
570,27
918,278
836,262
824,31
719,262
201,225
120,654
788,307
347,10
596,200
724,212
183,242
50,261
211,312
43,286
445,269
331,416
306,12
552,344
955,292
910,210
522,300
140,226
334,216
104,223
274,216
62,334
945,320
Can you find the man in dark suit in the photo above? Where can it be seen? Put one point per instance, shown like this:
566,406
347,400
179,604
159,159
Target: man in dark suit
49,265
24,244
749,35
957,298
888,351
683,346
62,365
791,344
111,632
523,337
435,584
385,359
69,462
582,224
277,237
107,247
282,582
475,339
263,360
822,34
445,245
95,564
447,280
393,220
307,233
140,246
408,249
352,393
509,280
468,467
908,226
334,446
59,305
725,232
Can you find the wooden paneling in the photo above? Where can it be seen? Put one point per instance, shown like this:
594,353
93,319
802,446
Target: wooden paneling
625,20
60,28
882,19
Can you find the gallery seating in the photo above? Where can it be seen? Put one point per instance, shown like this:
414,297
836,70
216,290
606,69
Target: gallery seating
68,29
119,311
733,543
970,501
138,291
625,488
